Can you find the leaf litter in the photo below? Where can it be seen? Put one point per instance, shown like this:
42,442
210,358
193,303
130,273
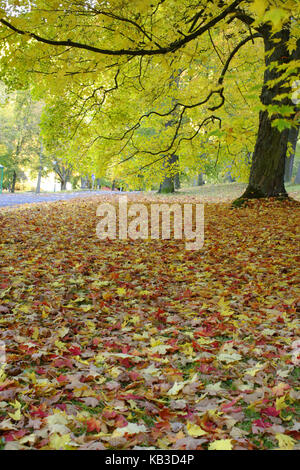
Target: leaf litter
123,344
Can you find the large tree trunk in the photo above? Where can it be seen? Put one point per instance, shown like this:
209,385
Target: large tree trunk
289,161
297,179
268,162
168,183
177,181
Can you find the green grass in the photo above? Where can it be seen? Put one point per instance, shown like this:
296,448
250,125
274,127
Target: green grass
226,192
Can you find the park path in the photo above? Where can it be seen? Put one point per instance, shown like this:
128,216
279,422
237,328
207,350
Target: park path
8,199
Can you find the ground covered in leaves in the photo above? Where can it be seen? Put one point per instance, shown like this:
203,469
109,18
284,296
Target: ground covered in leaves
142,344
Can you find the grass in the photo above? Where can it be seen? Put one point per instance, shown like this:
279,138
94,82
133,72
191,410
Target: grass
228,191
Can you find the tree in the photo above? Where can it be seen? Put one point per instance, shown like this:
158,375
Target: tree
289,162
297,178
170,174
40,170
63,171
19,126
145,39
270,152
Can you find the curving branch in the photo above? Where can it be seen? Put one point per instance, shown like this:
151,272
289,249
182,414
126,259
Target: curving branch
234,52
211,118
174,46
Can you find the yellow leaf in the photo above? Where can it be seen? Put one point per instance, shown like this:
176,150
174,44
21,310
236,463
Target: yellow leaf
17,405
16,416
202,340
276,16
45,314
259,7
131,428
221,444
161,349
280,403
91,325
155,342
63,331
187,349
121,291
2,374
194,430
35,334
32,377
115,372
60,345
179,385
225,309
144,292
58,442
285,442
135,319
228,358
142,337
176,388
253,370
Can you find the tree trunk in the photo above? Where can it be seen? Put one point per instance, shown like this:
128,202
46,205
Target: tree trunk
83,182
13,184
289,161
200,180
168,183
63,185
38,184
268,162
177,181
229,178
297,179
167,186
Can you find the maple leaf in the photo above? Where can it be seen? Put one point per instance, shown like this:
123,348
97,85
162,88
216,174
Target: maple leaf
229,357
285,442
93,424
194,430
131,428
221,444
58,442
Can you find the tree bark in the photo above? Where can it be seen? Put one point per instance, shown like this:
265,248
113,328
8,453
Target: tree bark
13,184
297,179
229,178
268,162
200,181
289,161
38,184
177,181
63,185
168,183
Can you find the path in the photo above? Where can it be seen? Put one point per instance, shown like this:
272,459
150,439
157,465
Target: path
8,199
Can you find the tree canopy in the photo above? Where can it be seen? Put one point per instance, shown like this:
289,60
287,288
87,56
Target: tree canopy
185,75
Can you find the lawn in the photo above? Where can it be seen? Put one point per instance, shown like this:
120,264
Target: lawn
123,344
227,192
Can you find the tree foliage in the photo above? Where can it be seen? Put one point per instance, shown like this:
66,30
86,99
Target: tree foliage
112,73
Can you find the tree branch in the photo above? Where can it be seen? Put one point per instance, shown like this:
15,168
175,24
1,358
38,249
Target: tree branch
174,46
234,52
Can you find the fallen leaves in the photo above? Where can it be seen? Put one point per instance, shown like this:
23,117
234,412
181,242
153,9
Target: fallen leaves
141,344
